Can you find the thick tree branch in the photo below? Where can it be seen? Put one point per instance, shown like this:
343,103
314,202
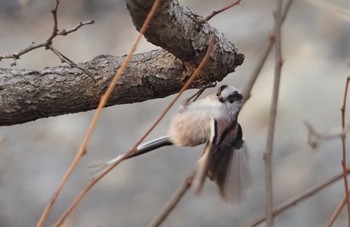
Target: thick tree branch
27,95
179,31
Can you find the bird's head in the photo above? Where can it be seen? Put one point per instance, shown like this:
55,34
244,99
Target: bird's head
229,94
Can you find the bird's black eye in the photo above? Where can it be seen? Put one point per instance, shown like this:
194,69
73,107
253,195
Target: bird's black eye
234,97
231,99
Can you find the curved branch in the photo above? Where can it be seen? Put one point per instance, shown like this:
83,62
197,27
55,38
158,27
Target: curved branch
181,32
27,95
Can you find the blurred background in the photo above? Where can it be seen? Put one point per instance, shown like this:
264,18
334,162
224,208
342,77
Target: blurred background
34,156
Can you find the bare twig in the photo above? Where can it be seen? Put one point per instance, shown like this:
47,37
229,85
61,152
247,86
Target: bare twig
298,198
343,137
246,91
102,103
174,200
336,212
55,25
272,120
48,42
17,55
65,59
133,149
215,12
65,32
315,138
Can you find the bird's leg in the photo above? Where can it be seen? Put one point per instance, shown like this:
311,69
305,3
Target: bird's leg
197,94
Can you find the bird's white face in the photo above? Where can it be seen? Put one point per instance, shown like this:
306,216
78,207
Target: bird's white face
229,94
231,97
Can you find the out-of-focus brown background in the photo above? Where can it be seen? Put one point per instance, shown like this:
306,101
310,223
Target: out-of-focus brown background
35,155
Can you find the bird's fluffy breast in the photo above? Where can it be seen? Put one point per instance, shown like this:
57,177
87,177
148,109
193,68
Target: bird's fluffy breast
191,125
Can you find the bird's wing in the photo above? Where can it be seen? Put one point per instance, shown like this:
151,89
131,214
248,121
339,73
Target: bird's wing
229,166
204,162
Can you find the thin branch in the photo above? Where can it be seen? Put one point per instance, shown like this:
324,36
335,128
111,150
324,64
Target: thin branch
31,47
133,149
65,59
211,45
65,32
343,162
178,195
272,120
314,138
48,42
93,123
55,25
174,200
215,12
336,212
246,91
18,54
299,198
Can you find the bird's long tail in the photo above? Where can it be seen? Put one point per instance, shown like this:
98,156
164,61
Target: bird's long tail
141,149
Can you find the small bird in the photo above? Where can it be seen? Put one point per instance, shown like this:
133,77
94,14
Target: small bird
212,121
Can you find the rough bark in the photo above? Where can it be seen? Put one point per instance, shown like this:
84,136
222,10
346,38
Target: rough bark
177,30
27,95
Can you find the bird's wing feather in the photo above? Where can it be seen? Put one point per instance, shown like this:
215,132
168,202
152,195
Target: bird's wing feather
203,163
229,167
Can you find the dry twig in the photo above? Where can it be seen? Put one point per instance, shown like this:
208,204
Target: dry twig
344,165
102,103
215,12
70,62
299,198
272,120
133,149
336,212
55,32
174,200
343,138
246,91
314,138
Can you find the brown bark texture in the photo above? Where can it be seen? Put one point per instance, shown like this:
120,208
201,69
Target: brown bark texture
27,95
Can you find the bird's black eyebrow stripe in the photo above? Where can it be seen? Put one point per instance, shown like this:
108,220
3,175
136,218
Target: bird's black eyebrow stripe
221,89
233,95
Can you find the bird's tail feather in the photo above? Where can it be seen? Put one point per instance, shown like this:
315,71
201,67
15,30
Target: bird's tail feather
141,149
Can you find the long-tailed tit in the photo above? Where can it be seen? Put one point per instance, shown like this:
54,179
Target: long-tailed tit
212,120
